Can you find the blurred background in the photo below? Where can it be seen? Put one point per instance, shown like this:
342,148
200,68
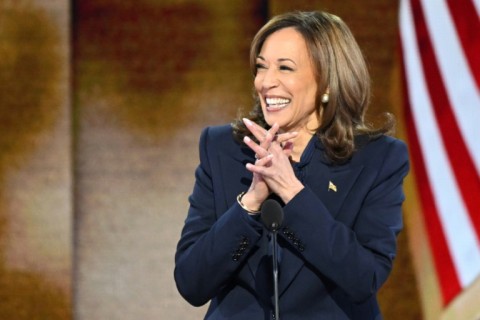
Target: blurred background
101,107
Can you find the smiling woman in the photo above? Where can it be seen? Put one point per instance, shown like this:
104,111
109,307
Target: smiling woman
305,144
286,86
327,49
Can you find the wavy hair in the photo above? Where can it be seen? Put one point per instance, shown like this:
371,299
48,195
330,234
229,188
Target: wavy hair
340,69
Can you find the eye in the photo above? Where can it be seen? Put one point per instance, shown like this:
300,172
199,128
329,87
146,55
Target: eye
285,68
260,66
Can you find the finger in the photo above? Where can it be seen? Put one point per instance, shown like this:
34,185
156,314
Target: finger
275,147
274,129
281,153
259,151
286,136
265,142
258,167
265,161
257,131
260,133
288,148
269,137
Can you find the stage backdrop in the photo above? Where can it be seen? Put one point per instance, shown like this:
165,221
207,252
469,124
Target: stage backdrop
148,76
101,107
35,160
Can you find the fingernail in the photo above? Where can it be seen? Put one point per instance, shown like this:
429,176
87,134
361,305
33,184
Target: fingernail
246,139
247,121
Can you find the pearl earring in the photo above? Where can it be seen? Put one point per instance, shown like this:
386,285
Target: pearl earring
325,98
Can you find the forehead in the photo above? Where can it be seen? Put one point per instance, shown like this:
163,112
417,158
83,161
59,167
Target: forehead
285,43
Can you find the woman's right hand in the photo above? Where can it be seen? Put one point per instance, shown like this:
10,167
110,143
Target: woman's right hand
259,190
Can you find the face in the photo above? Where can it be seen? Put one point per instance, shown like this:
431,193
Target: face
285,82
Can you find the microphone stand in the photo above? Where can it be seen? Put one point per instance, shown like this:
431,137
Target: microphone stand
272,217
275,271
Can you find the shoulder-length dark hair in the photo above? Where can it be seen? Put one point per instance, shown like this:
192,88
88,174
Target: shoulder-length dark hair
340,69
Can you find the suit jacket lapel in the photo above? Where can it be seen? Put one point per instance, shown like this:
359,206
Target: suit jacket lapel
334,185
320,180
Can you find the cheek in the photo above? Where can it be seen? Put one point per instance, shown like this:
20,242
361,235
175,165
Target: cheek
258,88
311,94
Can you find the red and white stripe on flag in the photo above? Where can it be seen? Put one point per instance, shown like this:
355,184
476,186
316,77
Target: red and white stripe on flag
440,42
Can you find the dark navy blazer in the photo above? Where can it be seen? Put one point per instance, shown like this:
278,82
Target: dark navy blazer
337,242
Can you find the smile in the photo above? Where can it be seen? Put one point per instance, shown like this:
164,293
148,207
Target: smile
276,103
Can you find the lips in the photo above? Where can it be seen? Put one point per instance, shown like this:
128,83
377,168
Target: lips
274,104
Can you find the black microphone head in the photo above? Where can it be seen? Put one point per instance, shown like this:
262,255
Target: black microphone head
272,214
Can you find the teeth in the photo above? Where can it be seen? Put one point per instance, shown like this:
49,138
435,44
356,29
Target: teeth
271,101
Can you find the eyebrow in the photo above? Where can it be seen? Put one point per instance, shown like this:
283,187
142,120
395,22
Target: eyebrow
279,60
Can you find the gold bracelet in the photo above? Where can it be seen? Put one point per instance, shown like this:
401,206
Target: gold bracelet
239,200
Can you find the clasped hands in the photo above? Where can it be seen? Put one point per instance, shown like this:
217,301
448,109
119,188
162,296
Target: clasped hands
272,170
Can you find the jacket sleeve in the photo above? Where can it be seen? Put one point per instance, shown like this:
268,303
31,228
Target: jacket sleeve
357,258
212,246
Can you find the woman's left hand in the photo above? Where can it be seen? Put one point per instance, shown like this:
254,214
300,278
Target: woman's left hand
278,173
274,166
265,139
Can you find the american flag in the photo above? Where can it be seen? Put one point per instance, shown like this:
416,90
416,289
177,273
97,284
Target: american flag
440,42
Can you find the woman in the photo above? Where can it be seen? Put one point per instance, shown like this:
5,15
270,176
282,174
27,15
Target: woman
306,145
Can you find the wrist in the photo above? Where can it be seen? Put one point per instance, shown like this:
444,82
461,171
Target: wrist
246,202
290,193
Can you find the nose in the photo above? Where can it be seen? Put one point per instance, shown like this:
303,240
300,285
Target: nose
270,79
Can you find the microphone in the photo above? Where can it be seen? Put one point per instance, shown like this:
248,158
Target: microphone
272,217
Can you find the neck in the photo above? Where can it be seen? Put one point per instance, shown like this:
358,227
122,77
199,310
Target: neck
300,144
305,134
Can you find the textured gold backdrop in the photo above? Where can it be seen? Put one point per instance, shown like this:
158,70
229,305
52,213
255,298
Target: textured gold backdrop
148,77
101,125
35,176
